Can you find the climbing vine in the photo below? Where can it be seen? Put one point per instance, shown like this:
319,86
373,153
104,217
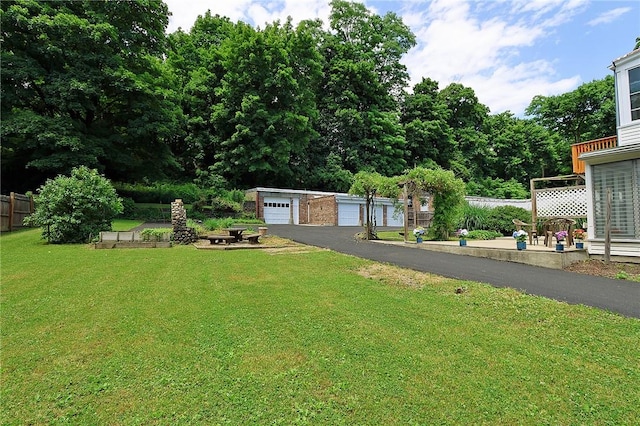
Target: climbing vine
448,196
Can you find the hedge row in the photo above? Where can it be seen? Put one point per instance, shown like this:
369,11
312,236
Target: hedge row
163,193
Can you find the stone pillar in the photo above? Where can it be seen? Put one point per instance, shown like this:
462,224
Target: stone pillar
181,233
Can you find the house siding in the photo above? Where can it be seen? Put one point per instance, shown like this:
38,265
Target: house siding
621,67
629,248
629,134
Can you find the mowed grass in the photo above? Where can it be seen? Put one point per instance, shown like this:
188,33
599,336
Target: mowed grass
186,336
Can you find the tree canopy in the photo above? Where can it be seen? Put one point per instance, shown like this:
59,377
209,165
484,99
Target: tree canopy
83,83
99,83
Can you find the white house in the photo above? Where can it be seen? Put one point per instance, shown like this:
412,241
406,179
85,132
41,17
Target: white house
618,170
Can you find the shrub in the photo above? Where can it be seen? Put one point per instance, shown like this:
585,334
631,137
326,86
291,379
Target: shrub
223,206
475,217
196,213
480,234
497,188
72,209
156,234
160,192
128,208
501,218
213,224
197,225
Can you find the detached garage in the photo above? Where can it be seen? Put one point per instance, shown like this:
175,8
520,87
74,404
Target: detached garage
282,206
349,210
300,207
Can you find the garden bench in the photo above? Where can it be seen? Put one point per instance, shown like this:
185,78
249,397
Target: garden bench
252,238
215,239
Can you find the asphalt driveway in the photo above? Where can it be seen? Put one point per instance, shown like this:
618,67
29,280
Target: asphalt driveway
618,296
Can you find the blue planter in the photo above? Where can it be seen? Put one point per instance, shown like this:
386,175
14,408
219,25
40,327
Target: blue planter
418,240
559,247
463,243
579,245
521,245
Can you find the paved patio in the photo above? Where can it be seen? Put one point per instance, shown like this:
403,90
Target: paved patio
505,249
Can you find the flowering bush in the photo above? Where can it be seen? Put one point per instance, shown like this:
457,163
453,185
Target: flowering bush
561,235
579,234
418,232
72,209
520,236
462,233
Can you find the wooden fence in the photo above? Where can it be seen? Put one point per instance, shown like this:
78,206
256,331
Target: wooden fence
421,218
13,209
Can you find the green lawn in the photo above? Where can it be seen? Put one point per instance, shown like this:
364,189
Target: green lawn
186,336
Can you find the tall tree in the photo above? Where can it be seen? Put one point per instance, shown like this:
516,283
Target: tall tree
264,118
585,113
197,60
363,81
520,149
83,83
467,118
424,116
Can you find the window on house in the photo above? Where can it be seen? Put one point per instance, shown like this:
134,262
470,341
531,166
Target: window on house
623,179
634,90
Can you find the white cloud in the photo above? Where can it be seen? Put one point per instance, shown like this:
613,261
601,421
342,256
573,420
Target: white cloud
610,16
251,11
513,88
185,12
483,50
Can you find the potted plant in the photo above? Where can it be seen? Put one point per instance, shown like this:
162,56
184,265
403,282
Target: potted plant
521,239
579,235
418,233
462,236
560,236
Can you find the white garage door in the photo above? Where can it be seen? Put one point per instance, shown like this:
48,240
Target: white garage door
394,218
277,210
348,214
378,219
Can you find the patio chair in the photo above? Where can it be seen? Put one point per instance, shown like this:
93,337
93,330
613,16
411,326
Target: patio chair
533,234
557,224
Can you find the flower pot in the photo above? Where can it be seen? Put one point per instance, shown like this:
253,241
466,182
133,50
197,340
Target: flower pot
418,240
579,245
521,245
463,243
559,247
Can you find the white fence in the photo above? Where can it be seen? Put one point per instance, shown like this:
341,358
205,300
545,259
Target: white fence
497,202
568,201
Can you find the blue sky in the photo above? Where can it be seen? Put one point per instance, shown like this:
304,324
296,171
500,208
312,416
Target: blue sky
507,51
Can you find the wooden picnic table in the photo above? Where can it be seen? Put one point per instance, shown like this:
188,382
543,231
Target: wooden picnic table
235,232
217,239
